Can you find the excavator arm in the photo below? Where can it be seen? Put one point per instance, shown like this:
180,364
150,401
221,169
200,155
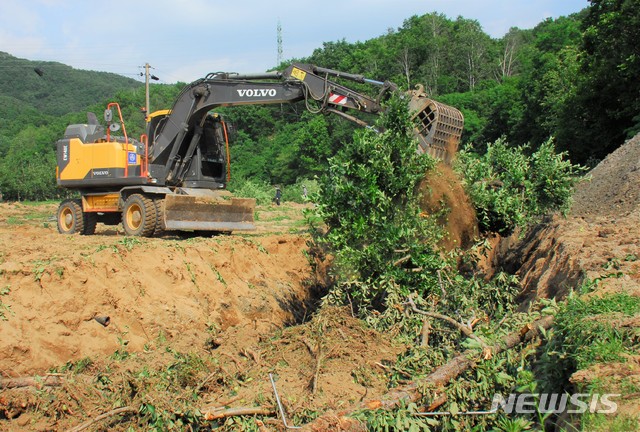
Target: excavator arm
173,144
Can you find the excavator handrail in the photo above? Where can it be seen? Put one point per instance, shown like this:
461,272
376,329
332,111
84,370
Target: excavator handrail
124,131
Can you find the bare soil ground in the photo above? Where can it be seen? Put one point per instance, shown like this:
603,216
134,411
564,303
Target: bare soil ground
171,300
172,286
230,299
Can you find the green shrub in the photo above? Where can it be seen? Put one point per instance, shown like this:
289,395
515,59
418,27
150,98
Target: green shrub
510,189
258,189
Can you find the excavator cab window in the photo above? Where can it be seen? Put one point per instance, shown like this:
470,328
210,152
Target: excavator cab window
212,148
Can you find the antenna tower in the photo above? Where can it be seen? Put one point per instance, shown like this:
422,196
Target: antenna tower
279,43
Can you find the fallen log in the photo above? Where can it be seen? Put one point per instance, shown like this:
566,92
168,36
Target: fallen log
37,382
410,392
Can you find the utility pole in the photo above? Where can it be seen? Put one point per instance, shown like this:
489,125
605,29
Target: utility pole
146,85
148,76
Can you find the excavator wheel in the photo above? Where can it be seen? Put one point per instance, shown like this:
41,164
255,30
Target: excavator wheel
159,204
90,221
71,219
139,216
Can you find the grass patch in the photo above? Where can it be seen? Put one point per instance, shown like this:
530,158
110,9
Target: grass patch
586,333
14,220
605,423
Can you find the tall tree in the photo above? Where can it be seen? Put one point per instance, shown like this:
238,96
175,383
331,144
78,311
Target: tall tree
510,56
472,46
606,107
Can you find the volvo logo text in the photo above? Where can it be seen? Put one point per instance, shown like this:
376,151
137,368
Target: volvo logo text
257,92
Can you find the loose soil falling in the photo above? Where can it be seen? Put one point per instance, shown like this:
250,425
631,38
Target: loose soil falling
442,193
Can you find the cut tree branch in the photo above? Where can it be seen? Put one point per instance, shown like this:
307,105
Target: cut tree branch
117,411
463,328
212,413
402,260
411,392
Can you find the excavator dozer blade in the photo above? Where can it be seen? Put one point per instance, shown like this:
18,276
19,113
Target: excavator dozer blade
438,126
225,214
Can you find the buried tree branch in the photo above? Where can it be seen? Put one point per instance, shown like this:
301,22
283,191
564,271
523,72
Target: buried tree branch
117,411
37,382
411,392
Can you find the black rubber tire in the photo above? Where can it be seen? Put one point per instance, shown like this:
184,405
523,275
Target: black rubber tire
160,228
90,221
139,216
69,217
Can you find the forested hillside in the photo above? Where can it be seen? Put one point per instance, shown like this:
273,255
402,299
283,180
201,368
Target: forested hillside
573,78
54,88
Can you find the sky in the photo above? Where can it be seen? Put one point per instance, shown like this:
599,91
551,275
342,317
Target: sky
183,40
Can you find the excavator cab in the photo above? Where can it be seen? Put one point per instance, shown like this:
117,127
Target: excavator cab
207,160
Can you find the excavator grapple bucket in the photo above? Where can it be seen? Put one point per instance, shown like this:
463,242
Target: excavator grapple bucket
438,126
222,213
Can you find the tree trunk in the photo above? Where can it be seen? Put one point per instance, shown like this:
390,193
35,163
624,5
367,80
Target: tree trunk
439,377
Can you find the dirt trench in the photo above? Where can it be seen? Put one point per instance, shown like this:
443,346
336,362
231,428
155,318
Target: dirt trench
598,238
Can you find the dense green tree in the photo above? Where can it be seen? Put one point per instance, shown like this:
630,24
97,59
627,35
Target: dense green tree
604,109
367,199
27,171
540,83
573,77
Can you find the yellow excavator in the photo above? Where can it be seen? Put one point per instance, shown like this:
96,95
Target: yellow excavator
174,177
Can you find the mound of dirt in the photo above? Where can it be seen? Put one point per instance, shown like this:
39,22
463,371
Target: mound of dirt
443,193
332,361
599,238
614,187
183,290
